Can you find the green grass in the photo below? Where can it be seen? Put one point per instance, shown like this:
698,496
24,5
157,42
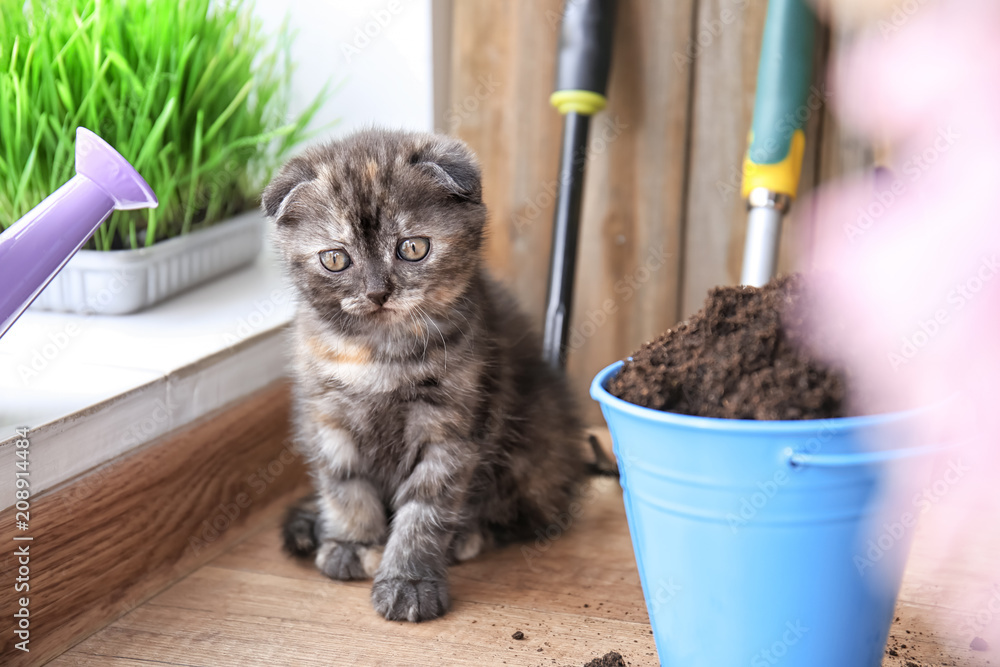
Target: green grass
192,92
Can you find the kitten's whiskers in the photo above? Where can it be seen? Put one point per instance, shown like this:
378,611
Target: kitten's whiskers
444,343
418,328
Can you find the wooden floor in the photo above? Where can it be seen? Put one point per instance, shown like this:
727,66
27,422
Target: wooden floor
574,601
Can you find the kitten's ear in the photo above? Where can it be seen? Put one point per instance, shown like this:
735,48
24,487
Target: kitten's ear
454,168
296,172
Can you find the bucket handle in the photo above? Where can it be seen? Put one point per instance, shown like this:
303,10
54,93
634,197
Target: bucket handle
801,459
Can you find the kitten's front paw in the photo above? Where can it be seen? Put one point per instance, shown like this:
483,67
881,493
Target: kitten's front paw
340,561
411,600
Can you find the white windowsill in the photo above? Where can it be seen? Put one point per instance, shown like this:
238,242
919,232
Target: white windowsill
93,387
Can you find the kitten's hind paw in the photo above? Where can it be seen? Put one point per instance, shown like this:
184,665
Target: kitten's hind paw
299,528
411,600
347,561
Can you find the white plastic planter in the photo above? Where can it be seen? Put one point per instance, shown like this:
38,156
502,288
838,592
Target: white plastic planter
125,281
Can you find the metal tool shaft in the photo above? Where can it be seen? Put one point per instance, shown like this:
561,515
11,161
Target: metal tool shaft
760,252
565,234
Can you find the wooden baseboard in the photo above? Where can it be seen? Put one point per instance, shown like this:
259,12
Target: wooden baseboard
110,539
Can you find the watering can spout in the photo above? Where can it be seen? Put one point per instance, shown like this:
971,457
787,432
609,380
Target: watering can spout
35,248
112,173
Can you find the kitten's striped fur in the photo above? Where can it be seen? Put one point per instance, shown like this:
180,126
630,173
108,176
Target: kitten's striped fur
432,426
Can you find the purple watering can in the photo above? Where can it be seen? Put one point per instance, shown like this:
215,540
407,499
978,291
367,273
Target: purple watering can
36,247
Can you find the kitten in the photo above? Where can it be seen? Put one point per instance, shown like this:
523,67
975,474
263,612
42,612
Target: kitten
432,426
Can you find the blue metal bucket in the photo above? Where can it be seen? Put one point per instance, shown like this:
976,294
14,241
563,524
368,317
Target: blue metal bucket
763,543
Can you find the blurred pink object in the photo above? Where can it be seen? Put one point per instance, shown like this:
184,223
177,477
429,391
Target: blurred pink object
914,260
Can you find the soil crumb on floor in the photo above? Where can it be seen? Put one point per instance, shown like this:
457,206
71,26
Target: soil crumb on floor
612,659
741,357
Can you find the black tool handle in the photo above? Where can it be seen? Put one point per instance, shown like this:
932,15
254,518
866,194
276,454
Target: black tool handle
581,82
585,45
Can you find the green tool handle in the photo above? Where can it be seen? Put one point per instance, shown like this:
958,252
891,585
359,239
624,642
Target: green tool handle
783,79
773,162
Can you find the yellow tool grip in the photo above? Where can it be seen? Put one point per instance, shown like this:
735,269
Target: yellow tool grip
781,177
583,102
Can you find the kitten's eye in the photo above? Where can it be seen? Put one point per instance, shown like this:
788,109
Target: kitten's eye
414,249
335,260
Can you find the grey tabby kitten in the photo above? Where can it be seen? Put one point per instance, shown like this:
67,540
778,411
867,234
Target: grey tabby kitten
432,426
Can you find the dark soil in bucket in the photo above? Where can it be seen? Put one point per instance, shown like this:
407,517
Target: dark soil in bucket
740,357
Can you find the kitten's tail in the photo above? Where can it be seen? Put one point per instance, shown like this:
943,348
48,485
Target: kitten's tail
601,465
299,527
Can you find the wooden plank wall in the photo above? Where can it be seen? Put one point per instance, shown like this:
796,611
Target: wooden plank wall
663,221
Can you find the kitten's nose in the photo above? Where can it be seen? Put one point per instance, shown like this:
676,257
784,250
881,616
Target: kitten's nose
378,297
